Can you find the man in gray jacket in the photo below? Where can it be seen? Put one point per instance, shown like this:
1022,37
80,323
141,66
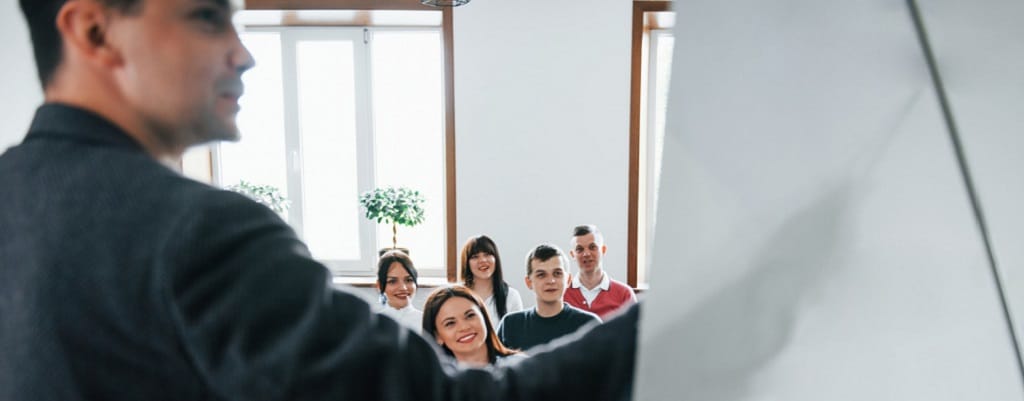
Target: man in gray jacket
122,280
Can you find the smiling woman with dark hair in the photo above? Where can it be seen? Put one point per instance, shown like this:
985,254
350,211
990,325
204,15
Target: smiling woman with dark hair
454,318
481,272
396,281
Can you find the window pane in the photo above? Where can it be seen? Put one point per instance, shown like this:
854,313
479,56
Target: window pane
662,42
408,120
259,157
195,164
664,71
327,128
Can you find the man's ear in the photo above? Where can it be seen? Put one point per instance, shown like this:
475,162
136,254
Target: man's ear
84,28
529,284
604,248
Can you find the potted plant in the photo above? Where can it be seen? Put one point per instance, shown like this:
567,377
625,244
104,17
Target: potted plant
393,206
268,195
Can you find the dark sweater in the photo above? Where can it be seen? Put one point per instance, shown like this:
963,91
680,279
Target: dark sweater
526,329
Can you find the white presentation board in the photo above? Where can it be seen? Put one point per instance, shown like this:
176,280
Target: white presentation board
815,238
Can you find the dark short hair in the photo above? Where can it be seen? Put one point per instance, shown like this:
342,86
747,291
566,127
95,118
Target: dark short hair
41,16
585,229
543,253
433,306
385,262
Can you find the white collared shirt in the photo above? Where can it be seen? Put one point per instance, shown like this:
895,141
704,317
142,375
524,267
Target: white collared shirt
590,295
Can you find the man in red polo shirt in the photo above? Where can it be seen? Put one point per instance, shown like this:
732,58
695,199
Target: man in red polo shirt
591,289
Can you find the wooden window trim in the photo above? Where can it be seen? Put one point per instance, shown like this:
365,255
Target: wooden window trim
449,90
635,102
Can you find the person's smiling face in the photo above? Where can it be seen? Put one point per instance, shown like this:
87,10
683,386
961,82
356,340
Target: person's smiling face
587,252
461,328
400,286
482,265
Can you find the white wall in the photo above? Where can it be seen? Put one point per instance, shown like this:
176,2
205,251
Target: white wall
542,125
19,89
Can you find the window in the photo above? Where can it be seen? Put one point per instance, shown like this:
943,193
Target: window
652,66
336,109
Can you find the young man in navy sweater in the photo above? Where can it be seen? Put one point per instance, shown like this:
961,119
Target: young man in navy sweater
547,276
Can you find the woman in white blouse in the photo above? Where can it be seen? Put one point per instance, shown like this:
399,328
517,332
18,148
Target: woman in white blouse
396,280
481,273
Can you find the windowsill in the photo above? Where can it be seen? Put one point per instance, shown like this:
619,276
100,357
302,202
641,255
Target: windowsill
367,281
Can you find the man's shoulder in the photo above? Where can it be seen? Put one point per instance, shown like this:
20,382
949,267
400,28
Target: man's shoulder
618,285
184,200
226,213
93,172
579,314
512,327
518,316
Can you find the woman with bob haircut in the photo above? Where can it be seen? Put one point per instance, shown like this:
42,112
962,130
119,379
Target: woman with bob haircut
396,280
454,317
481,273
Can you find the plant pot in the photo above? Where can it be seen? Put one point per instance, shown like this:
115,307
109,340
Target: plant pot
384,250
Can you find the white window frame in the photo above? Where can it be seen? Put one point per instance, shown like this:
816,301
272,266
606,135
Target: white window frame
361,37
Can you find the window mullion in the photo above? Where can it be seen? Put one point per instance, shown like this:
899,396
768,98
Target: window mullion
293,144
366,154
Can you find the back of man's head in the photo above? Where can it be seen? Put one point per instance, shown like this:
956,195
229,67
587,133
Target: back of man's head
41,16
543,253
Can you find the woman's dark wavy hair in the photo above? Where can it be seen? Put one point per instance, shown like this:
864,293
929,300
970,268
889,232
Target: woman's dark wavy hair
41,16
384,264
485,244
433,306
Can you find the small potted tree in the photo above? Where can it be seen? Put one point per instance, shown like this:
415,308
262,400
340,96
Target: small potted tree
395,206
268,195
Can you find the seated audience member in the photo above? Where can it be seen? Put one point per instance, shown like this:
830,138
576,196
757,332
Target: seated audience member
481,273
591,289
396,280
546,275
454,317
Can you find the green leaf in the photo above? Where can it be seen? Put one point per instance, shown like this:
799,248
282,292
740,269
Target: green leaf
390,205
268,195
